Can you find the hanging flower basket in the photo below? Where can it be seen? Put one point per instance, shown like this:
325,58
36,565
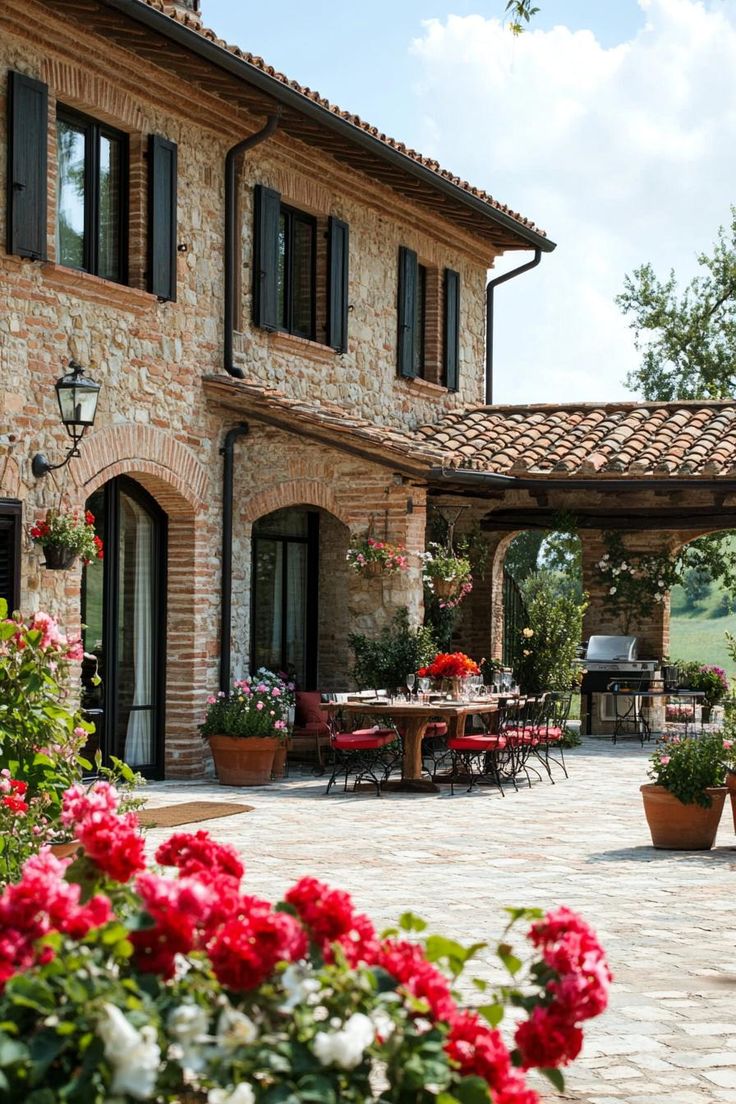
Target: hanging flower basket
58,558
446,588
64,536
372,557
447,575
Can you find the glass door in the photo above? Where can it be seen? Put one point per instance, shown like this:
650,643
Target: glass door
124,635
284,609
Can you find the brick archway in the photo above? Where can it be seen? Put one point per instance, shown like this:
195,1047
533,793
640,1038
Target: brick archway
295,492
173,476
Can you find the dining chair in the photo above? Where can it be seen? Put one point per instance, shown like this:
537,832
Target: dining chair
365,754
475,760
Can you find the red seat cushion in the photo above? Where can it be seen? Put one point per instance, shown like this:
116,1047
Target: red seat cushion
477,743
436,728
363,739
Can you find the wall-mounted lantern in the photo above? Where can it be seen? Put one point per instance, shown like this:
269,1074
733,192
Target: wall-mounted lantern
77,395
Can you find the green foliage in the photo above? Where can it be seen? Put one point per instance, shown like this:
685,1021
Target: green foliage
522,555
708,678
385,662
545,652
687,340
696,583
521,12
688,766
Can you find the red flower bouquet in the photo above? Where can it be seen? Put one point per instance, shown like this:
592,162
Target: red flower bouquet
450,665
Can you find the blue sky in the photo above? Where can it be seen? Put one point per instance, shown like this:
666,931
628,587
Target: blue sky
610,123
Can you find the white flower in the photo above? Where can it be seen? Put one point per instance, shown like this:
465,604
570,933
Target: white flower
602,565
346,1046
660,582
624,566
658,597
612,590
135,1056
235,1029
241,1094
383,1023
298,987
188,1025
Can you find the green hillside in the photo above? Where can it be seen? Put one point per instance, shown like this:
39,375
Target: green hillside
697,627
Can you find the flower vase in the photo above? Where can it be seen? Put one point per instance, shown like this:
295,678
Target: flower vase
454,688
57,558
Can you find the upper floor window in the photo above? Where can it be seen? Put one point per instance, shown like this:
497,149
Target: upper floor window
10,537
428,342
296,272
91,208
300,271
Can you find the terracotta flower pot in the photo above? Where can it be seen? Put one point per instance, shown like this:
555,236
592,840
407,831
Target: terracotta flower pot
731,787
243,760
279,760
678,827
58,559
446,588
65,850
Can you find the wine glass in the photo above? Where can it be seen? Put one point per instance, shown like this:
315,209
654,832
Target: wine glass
424,684
410,682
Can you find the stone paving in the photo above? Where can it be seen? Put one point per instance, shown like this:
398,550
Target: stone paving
665,918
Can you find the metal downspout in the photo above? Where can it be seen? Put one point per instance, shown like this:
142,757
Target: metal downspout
491,286
231,244
226,582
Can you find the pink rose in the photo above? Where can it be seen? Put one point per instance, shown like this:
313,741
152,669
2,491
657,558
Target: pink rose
664,760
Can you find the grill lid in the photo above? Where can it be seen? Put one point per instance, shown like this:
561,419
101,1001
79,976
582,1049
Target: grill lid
612,649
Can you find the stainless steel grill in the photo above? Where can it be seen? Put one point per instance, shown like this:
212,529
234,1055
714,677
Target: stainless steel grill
609,659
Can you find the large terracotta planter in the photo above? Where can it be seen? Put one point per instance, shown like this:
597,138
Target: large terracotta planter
65,850
678,827
731,787
243,760
279,760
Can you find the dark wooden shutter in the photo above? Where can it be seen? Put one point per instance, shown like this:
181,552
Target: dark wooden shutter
451,373
266,258
337,291
407,311
10,516
162,204
28,104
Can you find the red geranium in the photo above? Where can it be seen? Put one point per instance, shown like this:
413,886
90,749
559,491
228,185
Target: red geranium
450,665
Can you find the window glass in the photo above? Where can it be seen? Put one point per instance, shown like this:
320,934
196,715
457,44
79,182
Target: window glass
302,314
71,194
110,207
283,523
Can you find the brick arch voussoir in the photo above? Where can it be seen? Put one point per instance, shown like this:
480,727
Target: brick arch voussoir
166,468
295,492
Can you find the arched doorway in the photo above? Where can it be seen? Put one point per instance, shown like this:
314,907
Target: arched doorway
124,619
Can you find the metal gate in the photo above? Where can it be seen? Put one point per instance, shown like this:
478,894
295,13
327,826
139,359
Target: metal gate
514,615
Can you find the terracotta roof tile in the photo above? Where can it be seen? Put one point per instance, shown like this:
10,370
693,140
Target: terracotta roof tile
309,93
692,439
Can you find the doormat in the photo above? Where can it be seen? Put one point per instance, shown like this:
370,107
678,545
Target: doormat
168,816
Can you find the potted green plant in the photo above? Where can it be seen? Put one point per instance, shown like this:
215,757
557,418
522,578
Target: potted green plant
398,651
447,574
245,727
684,801
64,536
709,679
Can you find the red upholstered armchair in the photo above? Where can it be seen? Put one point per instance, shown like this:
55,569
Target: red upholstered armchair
311,732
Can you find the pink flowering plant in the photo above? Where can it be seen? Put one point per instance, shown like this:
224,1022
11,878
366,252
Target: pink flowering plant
688,766
257,705
41,732
124,982
392,558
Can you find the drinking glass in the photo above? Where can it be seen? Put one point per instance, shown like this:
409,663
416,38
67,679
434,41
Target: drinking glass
424,684
410,682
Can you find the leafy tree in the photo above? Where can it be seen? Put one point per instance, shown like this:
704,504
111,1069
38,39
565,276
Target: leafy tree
545,651
696,583
687,339
522,556
399,650
521,12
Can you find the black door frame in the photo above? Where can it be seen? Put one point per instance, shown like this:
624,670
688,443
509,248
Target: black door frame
312,597
111,608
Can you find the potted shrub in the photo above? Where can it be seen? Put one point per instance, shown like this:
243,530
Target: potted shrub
373,557
64,536
683,803
708,678
176,984
446,574
245,727
398,651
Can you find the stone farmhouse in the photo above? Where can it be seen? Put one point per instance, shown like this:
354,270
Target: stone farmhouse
287,312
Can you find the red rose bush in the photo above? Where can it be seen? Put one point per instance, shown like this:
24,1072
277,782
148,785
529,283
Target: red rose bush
120,982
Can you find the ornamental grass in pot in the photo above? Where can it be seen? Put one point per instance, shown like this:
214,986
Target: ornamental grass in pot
245,727
683,804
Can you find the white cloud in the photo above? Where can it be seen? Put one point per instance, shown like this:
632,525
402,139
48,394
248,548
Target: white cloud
623,155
